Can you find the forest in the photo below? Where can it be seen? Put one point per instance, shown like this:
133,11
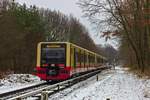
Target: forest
22,27
127,21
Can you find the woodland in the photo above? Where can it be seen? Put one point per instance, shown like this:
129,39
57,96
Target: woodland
22,27
128,22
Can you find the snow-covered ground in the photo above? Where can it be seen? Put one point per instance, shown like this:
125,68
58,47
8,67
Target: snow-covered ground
116,84
17,81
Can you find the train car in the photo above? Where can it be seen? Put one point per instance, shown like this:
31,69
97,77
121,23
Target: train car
62,60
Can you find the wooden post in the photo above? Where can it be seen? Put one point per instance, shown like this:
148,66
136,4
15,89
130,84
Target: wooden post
18,98
44,95
97,77
58,87
69,83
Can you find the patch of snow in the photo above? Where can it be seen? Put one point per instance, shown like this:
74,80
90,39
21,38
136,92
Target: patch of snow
114,85
18,81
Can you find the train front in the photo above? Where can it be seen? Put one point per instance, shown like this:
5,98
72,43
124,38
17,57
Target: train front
51,61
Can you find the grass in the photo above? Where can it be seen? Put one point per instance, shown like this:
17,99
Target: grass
3,74
139,73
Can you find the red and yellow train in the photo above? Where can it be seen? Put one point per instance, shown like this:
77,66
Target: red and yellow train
62,60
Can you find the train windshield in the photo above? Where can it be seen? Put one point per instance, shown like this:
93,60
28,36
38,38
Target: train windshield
53,56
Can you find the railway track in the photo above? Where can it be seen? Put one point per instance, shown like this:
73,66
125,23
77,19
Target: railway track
45,88
13,93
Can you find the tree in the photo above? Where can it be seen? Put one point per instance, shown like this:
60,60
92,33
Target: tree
18,44
22,27
124,17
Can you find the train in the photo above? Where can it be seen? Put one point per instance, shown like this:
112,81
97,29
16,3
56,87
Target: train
62,60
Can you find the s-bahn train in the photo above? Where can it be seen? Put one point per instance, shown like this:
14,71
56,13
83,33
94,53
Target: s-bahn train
62,60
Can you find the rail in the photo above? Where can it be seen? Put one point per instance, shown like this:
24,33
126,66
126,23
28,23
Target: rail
56,87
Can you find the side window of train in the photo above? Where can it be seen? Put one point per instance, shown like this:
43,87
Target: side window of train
79,56
76,55
98,59
83,58
72,57
87,58
92,59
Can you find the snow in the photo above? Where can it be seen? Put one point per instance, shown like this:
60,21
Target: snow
17,81
116,84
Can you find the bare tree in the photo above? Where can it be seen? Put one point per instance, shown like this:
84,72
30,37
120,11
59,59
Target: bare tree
125,17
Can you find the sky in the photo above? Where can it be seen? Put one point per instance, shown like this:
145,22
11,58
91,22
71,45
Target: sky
68,7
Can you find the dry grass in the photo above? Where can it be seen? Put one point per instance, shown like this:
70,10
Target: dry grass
5,73
2,75
145,74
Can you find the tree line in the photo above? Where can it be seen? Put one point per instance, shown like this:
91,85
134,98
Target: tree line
129,22
22,27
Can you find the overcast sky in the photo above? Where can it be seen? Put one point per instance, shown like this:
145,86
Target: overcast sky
67,7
